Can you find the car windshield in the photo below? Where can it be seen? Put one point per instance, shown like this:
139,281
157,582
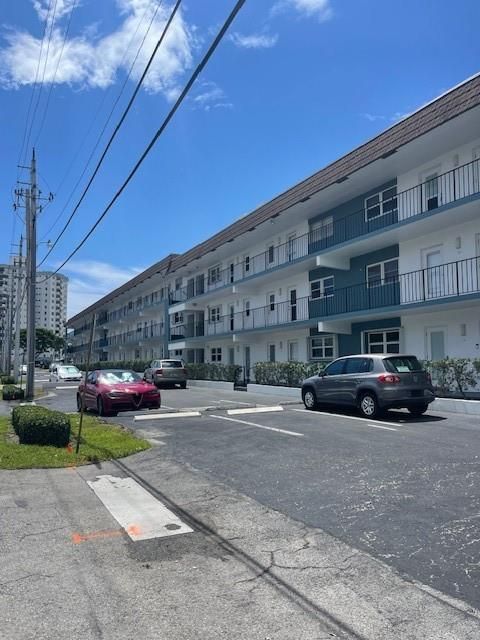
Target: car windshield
69,370
402,364
119,376
172,364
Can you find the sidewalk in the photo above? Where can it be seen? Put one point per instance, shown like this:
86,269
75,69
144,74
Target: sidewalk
246,572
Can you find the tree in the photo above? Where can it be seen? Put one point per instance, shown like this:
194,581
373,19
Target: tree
44,340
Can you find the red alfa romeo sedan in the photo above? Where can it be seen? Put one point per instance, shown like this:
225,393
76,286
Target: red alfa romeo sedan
109,391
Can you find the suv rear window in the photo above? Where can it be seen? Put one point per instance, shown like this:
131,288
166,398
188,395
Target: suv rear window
399,364
172,364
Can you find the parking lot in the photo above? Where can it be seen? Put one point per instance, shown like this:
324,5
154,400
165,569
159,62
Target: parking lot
403,489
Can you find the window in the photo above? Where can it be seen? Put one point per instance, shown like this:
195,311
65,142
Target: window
271,254
271,301
214,314
387,341
431,191
216,354
177,317
247,264
335,368
358,365
402,365
247,308
323,288
382,273
214,274
321,229
323,348
232,272
381,203
178,283
271,353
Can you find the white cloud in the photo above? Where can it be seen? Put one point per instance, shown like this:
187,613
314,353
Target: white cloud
91,61
372,117
62,8
211,96
90,280
320,9
254,40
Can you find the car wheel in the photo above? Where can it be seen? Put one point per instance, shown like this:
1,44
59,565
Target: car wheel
79,402
418,411
183,385
100,407
309,399
368,405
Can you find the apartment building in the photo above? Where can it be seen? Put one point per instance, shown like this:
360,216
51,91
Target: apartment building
50,297
377,252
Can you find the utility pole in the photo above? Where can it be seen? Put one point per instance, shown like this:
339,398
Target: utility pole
18,312
31,222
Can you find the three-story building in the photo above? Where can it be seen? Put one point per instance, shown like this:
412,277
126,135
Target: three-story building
377,252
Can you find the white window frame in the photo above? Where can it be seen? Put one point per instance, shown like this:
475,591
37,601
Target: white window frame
247,264
216,354
378,283
380,203
269,346
321,289
215,274
271,303
270,249
324,227
322,346
214,314
384,343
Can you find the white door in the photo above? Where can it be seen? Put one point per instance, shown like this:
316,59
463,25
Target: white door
436,341
434,277
431,193
271,310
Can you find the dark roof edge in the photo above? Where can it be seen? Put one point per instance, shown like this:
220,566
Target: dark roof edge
164,264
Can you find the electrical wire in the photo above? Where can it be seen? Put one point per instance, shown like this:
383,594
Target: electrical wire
52,82
159,132
117,128
99,137
34,87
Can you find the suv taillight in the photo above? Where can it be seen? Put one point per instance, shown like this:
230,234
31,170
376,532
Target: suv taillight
388,378
159,372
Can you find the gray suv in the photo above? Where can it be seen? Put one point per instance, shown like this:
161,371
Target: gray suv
166,372
373,383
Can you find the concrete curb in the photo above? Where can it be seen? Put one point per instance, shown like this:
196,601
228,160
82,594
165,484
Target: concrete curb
454,405
211,384
290,392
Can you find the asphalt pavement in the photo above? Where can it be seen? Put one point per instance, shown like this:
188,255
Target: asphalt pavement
305,525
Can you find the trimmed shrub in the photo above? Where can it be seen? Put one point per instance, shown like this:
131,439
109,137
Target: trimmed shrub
454,376
7,379
214,371
12,392
38,425
285,374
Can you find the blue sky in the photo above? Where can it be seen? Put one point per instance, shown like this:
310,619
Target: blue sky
296,84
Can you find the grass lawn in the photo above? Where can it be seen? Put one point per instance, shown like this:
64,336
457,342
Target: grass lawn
100,441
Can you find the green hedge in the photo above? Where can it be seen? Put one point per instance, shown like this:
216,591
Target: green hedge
454,376
214,371
38,425
285,374
12,392
7,379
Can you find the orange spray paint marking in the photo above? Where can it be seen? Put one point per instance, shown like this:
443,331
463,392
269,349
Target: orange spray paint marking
134,530
77,538
69,448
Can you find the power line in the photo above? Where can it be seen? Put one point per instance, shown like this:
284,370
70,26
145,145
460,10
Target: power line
45,110
52,22
34,84
99,137
117,128
159,132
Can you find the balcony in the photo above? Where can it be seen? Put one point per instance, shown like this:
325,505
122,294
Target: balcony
152,332
448,282
415,203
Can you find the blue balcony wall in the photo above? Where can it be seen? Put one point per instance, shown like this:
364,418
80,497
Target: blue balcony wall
349,220
349,344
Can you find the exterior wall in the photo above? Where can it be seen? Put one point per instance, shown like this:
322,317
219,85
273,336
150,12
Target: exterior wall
454,322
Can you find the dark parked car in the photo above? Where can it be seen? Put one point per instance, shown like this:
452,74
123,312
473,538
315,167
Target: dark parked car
167,372
109,391
373,383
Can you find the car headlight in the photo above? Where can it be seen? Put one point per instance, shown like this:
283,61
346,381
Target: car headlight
115,394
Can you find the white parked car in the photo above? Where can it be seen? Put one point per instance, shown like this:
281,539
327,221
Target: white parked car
23,369
65,373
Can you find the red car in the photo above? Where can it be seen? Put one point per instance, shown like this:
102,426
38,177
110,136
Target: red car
109,391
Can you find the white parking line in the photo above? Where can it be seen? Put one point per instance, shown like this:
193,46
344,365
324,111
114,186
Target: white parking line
378,426
174,414
341,415
72,386
234,412
141,515
258,426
